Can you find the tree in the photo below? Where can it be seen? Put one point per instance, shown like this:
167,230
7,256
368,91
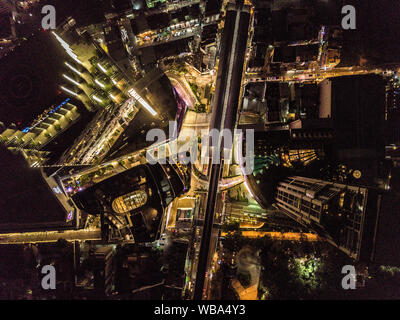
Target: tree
244,279
233,241
230,227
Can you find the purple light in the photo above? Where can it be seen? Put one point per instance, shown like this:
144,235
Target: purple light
69,217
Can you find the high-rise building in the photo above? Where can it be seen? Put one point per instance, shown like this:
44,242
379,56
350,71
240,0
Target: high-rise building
31,200
103,270
347,216
133,202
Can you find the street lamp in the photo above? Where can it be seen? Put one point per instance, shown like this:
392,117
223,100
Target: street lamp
69,91
70,79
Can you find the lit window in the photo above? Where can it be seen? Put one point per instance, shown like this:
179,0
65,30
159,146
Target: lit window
129,201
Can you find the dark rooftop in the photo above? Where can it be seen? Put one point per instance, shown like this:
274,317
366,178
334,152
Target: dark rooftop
29,79
5,26
26,201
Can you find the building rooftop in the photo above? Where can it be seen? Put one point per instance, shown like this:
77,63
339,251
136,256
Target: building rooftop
27,202
29,79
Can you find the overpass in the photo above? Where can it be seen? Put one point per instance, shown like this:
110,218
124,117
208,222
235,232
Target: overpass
224,114
50,236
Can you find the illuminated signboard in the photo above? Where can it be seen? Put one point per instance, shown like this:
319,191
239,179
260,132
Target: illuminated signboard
70,216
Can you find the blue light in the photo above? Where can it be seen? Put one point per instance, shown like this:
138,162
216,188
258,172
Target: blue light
60,105
27,129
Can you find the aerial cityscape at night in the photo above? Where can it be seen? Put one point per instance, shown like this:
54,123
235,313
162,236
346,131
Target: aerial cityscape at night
199,150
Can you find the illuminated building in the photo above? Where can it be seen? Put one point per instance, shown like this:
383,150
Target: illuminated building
31,200
42,140
133,202
130,201
345,215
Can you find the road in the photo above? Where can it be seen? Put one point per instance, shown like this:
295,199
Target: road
287,236
224,112
183,88
312,75
50,236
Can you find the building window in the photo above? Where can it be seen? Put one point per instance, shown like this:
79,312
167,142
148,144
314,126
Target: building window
129,201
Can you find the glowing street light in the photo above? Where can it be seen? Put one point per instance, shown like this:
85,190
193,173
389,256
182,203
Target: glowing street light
99,83
74,56
77,60
101,67
66,47
69,91
61,41
73,69
97,99
134,94
70,79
